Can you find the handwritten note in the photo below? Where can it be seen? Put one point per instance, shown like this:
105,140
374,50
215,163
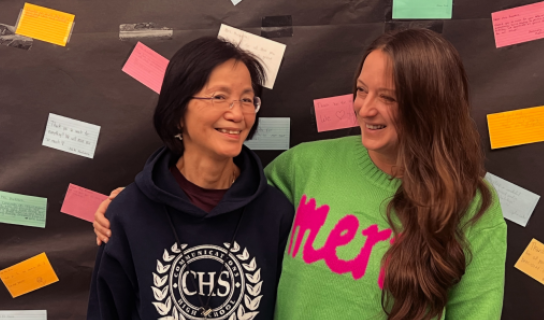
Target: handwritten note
28,276
272,134
146,66
422,9
512,128
517,25
23,314
269,52
45,24
517,203
22,210
81,203
531,261
335,113
71,135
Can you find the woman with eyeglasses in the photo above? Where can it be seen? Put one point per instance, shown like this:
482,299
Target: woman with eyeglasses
199,234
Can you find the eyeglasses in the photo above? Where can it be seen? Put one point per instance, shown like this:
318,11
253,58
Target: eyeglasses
248,105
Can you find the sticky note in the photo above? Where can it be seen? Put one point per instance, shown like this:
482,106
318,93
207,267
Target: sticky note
144,30
269,52
272,134
45,24
146,66
81,203
72,136
23,314
10,39
422,9
531,261
517,203
512,128
335,113
22,210
29,275
517,25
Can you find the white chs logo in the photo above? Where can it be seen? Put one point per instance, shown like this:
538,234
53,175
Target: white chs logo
176,297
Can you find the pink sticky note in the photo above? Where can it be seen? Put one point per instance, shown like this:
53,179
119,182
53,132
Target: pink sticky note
335,113
81,203
146,66
517,25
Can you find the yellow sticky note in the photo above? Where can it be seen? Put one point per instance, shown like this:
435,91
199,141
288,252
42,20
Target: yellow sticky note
29,275
45,24
512,128
531,261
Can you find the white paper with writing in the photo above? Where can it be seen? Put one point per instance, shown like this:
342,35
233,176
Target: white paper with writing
71,135
269,52
272,134
517,203
23,314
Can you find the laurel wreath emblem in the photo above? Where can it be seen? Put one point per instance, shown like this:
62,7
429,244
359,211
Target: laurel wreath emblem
252,296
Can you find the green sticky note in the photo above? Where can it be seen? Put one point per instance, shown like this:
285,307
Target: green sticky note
422,9
22,210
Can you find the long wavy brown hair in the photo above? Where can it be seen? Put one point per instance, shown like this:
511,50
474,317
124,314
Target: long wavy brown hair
440,163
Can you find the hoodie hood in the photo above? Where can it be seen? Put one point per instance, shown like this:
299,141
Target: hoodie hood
158,184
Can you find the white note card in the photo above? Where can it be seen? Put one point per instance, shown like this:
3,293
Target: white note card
269,52
71,135
517,203
272,134
23,314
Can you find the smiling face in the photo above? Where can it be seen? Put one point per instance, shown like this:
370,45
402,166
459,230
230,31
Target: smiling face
215,131
375,106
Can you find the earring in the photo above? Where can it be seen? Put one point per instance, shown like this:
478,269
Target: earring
178,136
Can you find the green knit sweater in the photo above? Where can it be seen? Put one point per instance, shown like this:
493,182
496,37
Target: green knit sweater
332,263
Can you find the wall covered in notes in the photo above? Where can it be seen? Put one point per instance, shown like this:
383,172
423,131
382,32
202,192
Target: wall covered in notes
75,118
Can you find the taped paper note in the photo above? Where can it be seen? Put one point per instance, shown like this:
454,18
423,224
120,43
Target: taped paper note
81,203
272,134
71,135
22,210
531,261
422,9
512,128
29,275
517,203
146,66
23,314
335,113
269,52
521,24
145,30
45,24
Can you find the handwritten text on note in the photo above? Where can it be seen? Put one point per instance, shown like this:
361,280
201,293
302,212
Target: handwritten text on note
517,25
45,24
517,203
512,128
272,134
71,135
22,210
23,314
81,203
269,52
146,66
531,261
29,275
422,9
335,113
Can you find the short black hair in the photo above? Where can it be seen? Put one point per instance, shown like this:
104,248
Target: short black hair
187,73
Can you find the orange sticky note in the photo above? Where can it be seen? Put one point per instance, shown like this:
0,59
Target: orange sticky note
531,261
45,24
512,128
29,275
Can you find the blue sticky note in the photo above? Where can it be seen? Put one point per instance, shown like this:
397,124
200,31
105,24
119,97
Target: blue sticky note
22,210
272,134
517,203
422,9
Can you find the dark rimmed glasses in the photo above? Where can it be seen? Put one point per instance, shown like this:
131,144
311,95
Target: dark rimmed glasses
248,105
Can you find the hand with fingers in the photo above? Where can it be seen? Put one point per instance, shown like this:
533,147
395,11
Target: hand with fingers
101,224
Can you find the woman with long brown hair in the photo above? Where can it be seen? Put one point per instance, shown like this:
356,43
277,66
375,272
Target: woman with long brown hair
396,223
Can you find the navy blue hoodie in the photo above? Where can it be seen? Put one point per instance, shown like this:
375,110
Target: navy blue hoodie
144,273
